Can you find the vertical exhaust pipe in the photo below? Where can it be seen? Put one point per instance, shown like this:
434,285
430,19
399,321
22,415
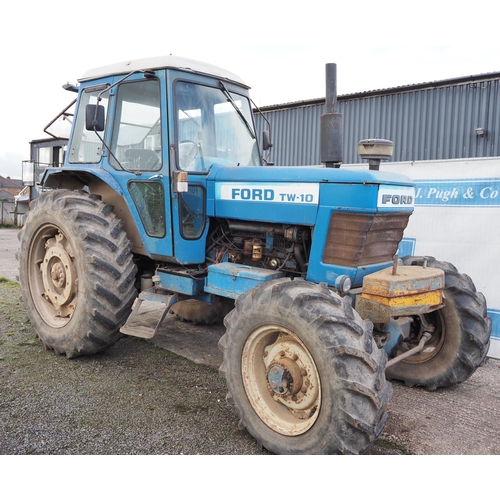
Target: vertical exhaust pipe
331,123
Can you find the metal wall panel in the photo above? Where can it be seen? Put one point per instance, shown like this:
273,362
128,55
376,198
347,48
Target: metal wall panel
429,123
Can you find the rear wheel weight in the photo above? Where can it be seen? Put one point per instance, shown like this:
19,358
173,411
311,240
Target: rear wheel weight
76,272
461,336
299,371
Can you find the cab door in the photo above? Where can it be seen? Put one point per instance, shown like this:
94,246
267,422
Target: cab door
136,147
210,125
133,152
191,141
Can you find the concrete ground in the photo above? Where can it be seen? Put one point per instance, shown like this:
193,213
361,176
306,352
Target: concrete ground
459,421
9,245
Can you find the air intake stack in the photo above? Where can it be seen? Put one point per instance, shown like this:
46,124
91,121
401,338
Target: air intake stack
331,124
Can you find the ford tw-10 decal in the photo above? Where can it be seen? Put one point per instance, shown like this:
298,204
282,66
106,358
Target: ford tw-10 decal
396,197
268,192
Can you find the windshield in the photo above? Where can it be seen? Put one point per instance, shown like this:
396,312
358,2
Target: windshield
213,129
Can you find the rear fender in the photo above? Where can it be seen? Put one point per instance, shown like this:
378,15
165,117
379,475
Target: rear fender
101,183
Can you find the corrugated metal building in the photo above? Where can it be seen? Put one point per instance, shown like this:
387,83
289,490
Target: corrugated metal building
450,129
447,119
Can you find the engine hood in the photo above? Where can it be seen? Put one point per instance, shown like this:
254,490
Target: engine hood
296,195
306,174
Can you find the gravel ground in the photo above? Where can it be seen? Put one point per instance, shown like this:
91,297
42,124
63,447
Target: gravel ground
134,398
139,398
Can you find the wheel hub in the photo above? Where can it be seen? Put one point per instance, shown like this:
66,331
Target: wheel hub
58,276
296,381
284,377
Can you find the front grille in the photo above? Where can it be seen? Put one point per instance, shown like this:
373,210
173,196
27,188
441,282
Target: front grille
361,239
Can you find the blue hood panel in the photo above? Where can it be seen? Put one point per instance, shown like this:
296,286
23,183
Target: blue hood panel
291,195
305,174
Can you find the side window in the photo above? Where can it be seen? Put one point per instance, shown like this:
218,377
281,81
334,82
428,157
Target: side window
86,147
149,200
136,136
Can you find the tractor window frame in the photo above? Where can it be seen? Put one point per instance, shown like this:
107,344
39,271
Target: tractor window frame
136,132
85,145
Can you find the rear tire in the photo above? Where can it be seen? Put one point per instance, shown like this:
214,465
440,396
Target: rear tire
199,312
461,338
303,370
76,272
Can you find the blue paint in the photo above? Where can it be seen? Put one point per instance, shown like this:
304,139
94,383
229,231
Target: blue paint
231,280
184,284
494,314
407,247
219,173
395,339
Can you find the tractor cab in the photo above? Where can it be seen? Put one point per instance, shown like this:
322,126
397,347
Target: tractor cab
153,126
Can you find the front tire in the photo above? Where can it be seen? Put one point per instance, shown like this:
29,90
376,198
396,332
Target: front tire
303,370
461,335
76,272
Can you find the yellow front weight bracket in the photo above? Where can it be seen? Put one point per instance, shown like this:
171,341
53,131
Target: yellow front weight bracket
401,291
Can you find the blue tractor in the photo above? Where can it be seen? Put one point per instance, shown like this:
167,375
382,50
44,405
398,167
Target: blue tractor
166,184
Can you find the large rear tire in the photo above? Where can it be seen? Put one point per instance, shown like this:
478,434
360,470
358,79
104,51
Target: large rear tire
461,335
303,370
76,272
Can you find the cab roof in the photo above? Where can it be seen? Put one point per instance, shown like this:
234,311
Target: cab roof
153,63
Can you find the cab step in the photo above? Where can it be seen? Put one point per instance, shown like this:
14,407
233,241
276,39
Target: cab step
133,329
142,332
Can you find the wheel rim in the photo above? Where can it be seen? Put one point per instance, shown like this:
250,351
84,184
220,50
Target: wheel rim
281,380
52,276
434,344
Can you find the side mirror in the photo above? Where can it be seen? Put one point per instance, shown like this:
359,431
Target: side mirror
94,117
266,140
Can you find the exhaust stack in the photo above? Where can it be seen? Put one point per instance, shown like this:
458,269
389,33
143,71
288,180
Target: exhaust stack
331,123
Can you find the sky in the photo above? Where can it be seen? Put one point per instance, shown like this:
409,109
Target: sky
279,48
